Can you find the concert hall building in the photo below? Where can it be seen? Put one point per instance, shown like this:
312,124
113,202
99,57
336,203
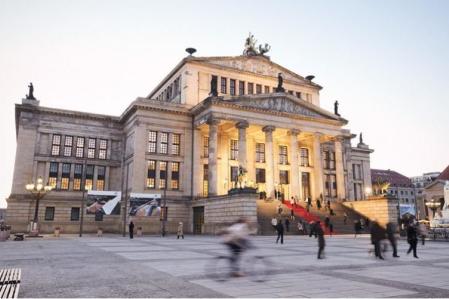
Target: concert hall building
211,126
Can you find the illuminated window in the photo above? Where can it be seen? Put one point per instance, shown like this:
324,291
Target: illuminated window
65,176
234,174
101,174
260,152
175,175
258,88
152,141
283,177
205,180
68,143
53,174
250,88
304,157
91,148
224,85
232,87
330,185
234,149
205,146
151,175
56,145
283,154
241,87
163,143
80,147
103,146
176,144
77,176
88,184
260,175
162,174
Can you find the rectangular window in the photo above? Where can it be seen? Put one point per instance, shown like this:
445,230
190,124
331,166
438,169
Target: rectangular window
74,214
232,87
89,177
80,147
329,160
152,141
68,143
65,176
175,175
356,172
176,144
151,174
258,88
101,175
213,85
305,180
224,85
205,180
304,156
330,186
234,149
205,146
102,152
260,175
267,89
260,152
77,176
49,213
234,174
56,145
283,177
298,95
283,154
250,88
241,87
53,174
91,144
163,143
290,92
162,174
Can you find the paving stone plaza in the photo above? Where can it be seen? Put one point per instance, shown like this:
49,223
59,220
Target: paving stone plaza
113,266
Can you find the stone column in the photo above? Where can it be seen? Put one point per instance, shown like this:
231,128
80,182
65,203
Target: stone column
212,171
242,126
269,160
294,163
197,176
317,166
340,175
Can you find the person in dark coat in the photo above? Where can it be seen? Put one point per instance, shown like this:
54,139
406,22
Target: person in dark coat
321,243
391,235
331,228
327,220
309,204
280,231
287,225
312,231
318,204
412,239
131,230
357,228
377,235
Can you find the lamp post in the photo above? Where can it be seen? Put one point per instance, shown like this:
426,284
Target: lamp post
86,188
433,205
38,190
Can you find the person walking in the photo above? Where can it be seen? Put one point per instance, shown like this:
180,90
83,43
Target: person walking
300,228
318,204
274,222
292,201
422,230
309,204
287,225
131,230
280,231
279,209
377,235
345,218
180,230
312,230
357,228
392,237
412,239
331,228
327,220
321,243
292,215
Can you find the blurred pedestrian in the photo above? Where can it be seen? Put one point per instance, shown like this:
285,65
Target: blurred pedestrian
131,230
300,227
292,201
422,230
412,239
318,204
331,228
321,243
287,225
274,222
326,221
312,230
180,230
292,215
280,231
345,217
392,237
309,204
377,235
357,228
328,205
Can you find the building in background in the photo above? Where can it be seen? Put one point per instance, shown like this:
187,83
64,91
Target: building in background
435,192
420,182
211,125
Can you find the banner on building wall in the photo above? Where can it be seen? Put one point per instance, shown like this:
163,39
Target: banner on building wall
144,204
102,203
407,209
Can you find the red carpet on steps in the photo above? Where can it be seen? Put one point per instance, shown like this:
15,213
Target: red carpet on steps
299,211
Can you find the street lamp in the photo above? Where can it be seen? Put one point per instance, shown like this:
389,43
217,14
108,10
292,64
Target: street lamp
433,205
38,190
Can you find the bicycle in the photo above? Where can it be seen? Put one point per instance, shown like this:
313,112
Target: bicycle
256,267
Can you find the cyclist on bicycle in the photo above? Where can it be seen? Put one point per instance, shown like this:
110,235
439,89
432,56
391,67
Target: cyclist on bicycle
236,238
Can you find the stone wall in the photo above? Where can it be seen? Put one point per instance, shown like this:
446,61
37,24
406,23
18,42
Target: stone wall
381,208
221,211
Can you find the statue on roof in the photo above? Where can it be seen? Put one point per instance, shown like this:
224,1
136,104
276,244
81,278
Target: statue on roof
361,138
30,95
252,50
279,88
336,108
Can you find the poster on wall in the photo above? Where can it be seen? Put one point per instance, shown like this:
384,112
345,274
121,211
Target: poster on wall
144,204
102,203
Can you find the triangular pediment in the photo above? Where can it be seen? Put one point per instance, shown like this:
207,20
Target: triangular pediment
260,65
283,103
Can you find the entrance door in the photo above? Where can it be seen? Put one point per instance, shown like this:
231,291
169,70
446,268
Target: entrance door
198,220
305,180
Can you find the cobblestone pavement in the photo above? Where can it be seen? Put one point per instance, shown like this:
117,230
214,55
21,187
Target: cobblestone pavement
113,266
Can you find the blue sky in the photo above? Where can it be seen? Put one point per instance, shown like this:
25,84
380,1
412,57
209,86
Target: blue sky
386,62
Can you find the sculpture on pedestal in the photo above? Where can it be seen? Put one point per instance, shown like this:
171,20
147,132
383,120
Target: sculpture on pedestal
30,95
279,88
213,86
361,138
252,50
336,108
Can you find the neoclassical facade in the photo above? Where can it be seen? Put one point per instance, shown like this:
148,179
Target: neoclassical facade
208,118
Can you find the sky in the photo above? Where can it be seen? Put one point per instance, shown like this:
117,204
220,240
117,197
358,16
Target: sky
386,62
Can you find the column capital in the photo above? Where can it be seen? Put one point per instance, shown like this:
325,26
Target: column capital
339,138
212,121
242,124
294,132
269,129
